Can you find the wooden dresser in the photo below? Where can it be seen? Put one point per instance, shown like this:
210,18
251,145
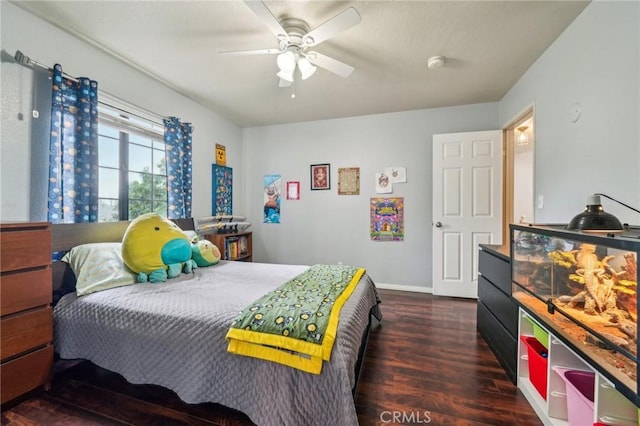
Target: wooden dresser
26,324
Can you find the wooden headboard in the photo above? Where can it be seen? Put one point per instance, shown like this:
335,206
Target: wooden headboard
68,235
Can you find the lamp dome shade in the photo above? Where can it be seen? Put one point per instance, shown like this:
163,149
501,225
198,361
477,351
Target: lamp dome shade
306,69
286,75
286,61
594,218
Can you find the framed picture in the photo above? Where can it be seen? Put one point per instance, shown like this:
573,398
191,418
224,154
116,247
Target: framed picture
320,176
349,181
293,190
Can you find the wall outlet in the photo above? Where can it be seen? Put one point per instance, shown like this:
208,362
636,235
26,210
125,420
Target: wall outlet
540,202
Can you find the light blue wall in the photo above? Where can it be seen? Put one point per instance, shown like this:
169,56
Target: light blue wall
594,63
324,227
49,45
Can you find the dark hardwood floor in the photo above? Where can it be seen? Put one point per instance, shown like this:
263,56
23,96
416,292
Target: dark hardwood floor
426,364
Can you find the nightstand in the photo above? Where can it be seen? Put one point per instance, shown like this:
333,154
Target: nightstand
26,324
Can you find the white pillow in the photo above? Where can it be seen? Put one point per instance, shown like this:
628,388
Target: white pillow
98,267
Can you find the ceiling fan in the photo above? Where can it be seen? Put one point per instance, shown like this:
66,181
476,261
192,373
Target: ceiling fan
295,38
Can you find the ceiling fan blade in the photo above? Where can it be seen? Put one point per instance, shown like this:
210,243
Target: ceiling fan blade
265,15
330,64
284,83
251,52
333,26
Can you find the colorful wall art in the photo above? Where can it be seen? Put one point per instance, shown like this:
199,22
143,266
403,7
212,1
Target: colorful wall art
222,188
387,219
272,191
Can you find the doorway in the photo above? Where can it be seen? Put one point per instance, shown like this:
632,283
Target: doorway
519,171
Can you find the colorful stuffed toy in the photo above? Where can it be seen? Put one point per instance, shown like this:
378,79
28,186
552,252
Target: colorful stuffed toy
156,249
205,253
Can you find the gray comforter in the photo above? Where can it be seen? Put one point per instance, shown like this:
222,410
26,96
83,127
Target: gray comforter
173,335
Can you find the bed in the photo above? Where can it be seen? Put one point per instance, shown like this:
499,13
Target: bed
173,335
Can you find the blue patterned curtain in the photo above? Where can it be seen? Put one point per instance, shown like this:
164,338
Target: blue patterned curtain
73,159
177,139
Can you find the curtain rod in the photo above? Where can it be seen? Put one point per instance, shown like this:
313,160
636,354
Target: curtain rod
23,59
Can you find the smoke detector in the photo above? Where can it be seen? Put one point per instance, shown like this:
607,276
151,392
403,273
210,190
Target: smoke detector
435,62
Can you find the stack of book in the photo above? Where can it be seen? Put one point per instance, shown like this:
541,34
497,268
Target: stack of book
231,248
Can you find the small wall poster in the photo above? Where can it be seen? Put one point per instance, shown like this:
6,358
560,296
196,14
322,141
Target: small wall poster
222,188
221,155
272,191
383,184
396,174
387,219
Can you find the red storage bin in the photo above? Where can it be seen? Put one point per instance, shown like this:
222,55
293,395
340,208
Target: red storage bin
537,355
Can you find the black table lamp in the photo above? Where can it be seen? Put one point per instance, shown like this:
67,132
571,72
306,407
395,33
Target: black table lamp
595,219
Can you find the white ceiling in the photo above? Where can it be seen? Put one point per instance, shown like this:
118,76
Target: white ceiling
488,45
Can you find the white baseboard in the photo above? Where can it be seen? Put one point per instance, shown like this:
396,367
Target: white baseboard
412,288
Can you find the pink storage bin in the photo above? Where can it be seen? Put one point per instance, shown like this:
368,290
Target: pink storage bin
580,394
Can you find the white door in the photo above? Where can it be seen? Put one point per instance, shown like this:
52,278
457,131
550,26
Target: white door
467,207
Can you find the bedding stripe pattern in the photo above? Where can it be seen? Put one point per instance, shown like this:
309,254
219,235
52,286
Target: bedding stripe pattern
296,324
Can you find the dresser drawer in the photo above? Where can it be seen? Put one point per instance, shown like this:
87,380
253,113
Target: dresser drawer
496,270
503,307
25,373
25,331
500,341
25,248
25,290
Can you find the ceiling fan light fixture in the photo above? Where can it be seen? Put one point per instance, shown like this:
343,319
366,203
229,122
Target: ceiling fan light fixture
287,61
306,69
295,36
286,75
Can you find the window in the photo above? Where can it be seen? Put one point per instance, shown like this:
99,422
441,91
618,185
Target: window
131,163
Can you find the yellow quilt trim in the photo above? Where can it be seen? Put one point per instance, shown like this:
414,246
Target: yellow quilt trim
289,351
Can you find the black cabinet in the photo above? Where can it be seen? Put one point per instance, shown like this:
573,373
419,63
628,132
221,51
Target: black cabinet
497,317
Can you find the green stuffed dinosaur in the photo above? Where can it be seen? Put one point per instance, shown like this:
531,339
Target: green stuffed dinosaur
156,249
204,252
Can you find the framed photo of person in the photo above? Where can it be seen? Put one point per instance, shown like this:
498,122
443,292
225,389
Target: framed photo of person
320,176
